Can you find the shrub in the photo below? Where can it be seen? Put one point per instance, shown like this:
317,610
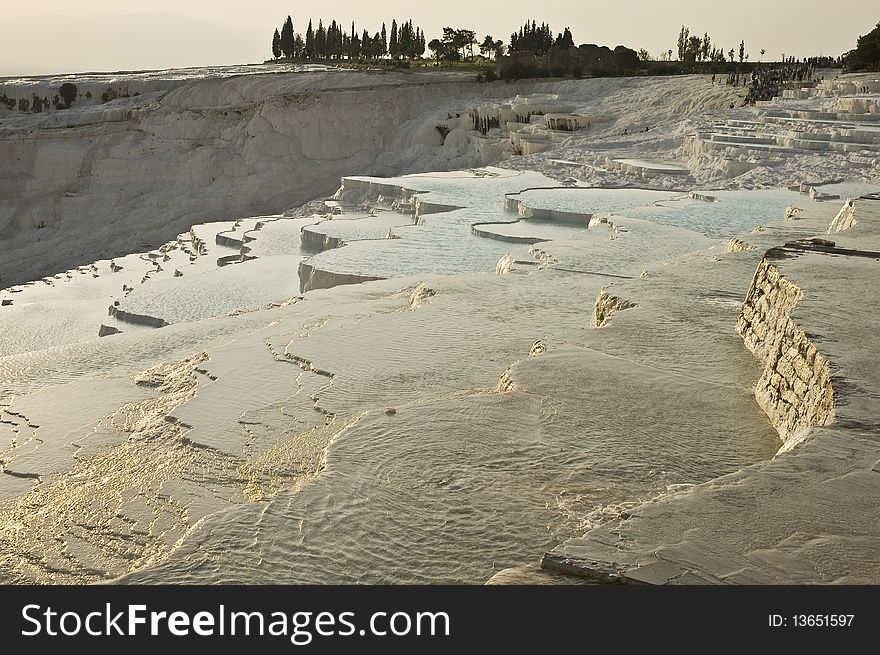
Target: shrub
604,71
518,69
67,93
664,69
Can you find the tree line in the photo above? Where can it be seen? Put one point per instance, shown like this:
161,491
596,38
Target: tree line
458,45
405,41
539,39
693,48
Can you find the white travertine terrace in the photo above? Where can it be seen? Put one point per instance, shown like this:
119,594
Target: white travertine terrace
296,410
816,388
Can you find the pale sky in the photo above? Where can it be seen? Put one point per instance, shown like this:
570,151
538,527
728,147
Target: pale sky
59,36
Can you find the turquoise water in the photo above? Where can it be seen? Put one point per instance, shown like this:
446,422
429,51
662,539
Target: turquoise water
732,213
445,242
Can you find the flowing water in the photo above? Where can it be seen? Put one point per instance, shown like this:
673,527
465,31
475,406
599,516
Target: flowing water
406,430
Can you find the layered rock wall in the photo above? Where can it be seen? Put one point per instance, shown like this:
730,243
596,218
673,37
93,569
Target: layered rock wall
317,241
795,387
311,278
99,182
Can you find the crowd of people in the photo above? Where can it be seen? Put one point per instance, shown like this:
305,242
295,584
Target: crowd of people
765,83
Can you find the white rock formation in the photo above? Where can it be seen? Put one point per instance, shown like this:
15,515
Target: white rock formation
504,265
845,219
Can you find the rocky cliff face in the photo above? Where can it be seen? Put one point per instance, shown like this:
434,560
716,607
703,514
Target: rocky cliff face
795,387
100,181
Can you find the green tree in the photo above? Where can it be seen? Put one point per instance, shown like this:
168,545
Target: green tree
393,43
532,38
565,40
866,52
438,49
276,45
335,44
286,41
487,47
742,51
321,40
692,49
458,40
404,39
626,59
367,45
683,35
452,42
419,47
67,93
467,40
310,41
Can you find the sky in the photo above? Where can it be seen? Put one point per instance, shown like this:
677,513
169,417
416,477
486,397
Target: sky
59,36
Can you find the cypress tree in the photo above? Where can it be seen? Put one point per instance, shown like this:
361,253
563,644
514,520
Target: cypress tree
321,40
276,45
403,39
333,41
384,42
567,39
286,40
393,45
310,41
367,45
421,50
356,45
408,47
